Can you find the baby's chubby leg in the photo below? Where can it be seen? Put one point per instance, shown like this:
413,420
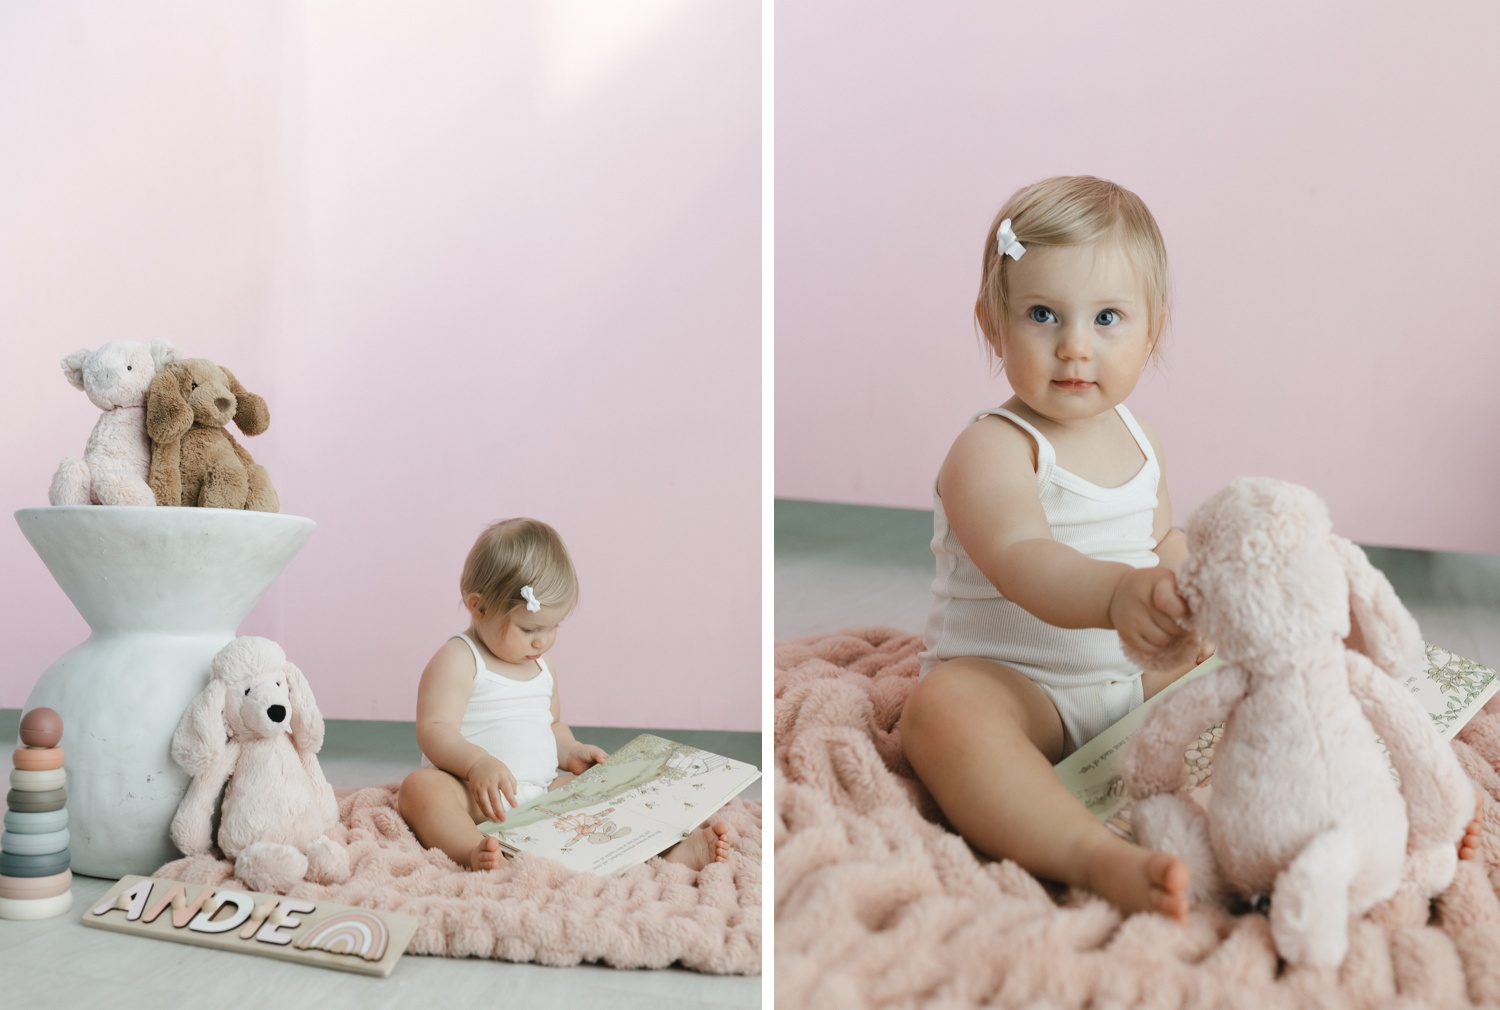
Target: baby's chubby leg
442,815
982,738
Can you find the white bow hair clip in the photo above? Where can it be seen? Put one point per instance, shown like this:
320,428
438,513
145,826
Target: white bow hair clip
1005,241
529,595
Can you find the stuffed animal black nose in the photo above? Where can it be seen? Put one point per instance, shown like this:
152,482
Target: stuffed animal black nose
276,712
222,403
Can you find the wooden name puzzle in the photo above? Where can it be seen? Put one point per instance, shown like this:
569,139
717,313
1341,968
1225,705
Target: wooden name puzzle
292,929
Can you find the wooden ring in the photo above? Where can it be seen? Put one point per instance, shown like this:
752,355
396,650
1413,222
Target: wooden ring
34,866
31,888
36,908
38,781
33,823
34,845
36,803
37,759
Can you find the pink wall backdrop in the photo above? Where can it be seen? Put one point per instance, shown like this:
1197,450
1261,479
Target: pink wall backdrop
481,259
1325,178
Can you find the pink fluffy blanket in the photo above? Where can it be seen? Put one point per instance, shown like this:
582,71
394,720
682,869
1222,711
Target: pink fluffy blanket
533,909
878,904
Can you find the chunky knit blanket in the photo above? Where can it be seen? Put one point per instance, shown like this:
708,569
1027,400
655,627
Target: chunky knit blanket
879,905
532,909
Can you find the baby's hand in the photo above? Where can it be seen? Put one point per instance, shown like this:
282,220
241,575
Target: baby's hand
488,781
581,757
1145,609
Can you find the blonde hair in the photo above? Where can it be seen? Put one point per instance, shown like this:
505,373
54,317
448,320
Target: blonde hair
1074,210
513,553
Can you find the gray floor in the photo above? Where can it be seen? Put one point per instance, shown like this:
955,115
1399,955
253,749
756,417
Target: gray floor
840,566
60,963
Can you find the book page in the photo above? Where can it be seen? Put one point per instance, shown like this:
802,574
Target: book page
600,838
649,795
1451,689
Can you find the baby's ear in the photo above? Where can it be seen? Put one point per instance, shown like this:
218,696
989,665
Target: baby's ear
72,366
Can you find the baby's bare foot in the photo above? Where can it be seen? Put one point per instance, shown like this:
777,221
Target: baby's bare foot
1468,847
486,855
1134,879
709,844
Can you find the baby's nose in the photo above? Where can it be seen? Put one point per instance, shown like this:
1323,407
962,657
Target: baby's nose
1075,351
277,713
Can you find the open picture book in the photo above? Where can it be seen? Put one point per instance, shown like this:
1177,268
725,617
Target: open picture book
651,794
1448,687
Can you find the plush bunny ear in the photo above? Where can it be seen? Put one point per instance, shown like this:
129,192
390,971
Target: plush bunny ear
307,721
72,366
203,732
168,416
1379,626
163,353
250,414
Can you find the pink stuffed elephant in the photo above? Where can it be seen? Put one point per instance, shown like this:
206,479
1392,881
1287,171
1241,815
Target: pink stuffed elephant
1303,806
256,724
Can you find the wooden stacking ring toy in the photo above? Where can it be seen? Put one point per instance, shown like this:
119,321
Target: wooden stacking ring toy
36,877
34,845
37,759
36,908
34,866
38,782
31,888
36,823
36,803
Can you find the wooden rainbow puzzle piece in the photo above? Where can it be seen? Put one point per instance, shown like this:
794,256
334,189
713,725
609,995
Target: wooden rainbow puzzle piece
248,922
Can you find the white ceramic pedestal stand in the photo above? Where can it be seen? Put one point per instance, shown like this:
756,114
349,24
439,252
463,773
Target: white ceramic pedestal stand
162,589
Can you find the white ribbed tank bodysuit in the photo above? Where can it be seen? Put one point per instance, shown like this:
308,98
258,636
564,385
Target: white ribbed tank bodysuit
512,719
1082,670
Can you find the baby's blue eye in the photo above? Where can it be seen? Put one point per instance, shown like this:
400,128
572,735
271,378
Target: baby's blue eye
1107,317
1041,314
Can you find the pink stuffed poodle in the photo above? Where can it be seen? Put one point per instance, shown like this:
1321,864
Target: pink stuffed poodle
117,457
256,725
1303,806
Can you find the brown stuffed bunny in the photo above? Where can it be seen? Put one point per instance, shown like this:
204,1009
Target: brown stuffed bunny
194,459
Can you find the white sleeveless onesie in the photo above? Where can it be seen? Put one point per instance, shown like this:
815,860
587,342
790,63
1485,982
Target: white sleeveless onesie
512,719
1082,670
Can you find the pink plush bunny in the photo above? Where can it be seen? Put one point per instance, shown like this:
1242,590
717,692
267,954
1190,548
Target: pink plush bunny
1303,806
257,725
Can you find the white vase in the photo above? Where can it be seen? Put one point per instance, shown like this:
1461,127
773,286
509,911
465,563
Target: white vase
163,590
